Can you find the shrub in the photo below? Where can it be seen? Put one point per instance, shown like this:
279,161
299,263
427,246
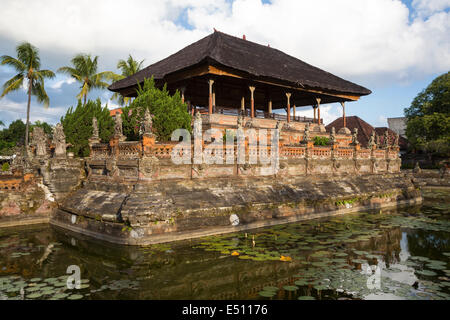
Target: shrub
320,141
78,125
5,167
169,112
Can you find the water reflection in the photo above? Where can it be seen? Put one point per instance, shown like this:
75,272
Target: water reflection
323,259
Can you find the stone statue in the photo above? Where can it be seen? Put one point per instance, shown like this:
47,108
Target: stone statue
306,136
147,123
95,135
378,141
355,137
333,136
40,141
198,125
249,124
397,137
59,140
118,130
386,140
417,168
372,141
240,121
279,125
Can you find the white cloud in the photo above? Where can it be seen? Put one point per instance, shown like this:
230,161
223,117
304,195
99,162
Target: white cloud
11,110
328,113
381,121
357,39
58,84
425,8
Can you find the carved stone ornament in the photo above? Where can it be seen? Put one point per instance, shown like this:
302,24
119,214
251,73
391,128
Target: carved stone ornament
147,165
39,141
59,140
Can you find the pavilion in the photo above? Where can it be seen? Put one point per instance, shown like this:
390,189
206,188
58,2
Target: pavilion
229,75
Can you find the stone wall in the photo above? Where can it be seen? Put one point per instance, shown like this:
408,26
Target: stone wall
140,213
433,178
32,192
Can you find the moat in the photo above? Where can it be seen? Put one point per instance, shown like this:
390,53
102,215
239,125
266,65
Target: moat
326,258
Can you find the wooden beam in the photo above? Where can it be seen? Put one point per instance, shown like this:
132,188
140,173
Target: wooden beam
252,101
221,72
343,114
210,105
318,110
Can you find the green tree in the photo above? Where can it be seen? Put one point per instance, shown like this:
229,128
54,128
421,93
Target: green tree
84,70
169,112
128,68
16,132
45,126
27,64
12,136
2,124
428,118
77,125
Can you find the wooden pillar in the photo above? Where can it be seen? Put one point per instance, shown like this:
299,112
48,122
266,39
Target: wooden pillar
270,106
318,110
294,110
252,101
314,108
343,113
243,104
210,105
288,96
182,90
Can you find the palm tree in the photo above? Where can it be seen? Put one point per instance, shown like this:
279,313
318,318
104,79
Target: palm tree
27,64
1,123
128,68
84,70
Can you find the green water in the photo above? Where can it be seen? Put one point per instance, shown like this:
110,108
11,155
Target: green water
408,249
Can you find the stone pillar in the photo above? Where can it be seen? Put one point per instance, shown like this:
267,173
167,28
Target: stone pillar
343,113
252,101
210,104
114,144
318,110
288,96
270,106
294,111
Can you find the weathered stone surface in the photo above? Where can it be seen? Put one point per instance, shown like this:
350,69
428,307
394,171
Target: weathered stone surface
436,178
95,204
193,207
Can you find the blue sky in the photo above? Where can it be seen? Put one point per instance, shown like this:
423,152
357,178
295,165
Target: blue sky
395,48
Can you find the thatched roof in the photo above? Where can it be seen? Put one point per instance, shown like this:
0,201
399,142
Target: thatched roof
255,60
364,130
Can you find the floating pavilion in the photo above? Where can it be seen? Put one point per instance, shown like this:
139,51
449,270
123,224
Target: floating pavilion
223,74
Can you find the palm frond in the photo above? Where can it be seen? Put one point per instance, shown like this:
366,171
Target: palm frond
18,65
47,74
39,92
74,73
13,84
84,90
29,55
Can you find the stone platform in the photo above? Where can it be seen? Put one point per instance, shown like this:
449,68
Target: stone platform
138,213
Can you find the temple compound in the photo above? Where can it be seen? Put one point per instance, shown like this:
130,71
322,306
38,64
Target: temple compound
135,194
